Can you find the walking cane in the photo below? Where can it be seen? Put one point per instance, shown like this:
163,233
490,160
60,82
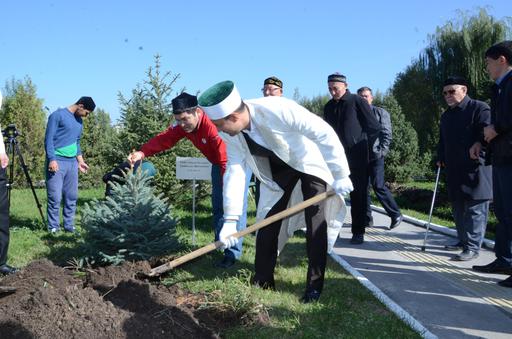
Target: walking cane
218,244
431,209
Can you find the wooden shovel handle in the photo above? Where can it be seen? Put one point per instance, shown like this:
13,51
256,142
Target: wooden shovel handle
218,244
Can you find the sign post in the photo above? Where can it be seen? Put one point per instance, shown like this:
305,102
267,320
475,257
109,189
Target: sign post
193,169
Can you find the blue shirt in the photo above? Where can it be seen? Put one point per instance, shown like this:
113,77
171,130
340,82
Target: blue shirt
62,139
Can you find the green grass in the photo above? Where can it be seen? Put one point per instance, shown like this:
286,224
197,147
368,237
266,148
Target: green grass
346,309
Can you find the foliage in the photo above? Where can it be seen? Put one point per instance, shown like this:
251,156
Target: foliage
147,113
23,108
314,105
131,224
97,141
402,161
457,48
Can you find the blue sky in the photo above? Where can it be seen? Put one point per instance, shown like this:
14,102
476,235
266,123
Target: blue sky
100,48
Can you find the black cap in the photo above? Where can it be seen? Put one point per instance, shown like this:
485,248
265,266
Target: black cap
87,102
273,81
337,77
455,80
183,102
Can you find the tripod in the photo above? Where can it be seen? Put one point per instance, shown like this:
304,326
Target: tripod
12,149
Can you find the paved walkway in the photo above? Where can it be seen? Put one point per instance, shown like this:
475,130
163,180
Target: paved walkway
445,296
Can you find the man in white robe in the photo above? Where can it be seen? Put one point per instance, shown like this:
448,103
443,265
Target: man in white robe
284,144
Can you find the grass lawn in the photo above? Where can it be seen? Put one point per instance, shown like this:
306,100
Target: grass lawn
346,309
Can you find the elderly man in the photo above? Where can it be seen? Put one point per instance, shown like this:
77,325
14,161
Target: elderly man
376,165
468,180
272,87
193,124
357,128
4,209
282,143
64,159
499,136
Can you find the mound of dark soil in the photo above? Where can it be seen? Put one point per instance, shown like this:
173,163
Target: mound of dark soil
53,302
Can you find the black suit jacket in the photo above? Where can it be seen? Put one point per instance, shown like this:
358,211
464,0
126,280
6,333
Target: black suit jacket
356,125
501,118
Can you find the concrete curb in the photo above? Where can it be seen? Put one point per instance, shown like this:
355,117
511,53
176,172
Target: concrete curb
434,227
388,302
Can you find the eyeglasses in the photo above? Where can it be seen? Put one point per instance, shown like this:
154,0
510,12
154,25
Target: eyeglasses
270,89
450,92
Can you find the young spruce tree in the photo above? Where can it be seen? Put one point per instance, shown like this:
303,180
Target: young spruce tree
131,224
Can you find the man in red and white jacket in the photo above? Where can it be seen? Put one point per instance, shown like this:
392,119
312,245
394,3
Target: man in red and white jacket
193,124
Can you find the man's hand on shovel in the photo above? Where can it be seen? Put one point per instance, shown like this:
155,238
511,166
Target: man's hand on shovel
226,234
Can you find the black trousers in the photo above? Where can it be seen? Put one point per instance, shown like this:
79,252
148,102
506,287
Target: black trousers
316,231
316,226
359,199
4,217
376,174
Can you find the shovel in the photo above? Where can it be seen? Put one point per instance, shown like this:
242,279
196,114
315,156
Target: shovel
218,244
7,290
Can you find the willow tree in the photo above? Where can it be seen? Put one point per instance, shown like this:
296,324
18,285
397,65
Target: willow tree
456,48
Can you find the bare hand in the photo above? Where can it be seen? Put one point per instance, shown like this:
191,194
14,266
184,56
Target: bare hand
440,163
474,151
4,160
83,167
135,156
53,166
489,133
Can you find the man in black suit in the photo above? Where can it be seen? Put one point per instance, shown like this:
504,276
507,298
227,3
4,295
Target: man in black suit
499,136
357,127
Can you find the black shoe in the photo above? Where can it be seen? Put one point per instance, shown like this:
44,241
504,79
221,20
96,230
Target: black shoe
493,267
395,222
357,239
70,230
310,296
506,283
226,262
6,269
455,247
466,255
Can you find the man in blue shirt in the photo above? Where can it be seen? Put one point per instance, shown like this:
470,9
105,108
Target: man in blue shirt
64,159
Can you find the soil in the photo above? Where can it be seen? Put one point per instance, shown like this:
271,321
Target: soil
111,302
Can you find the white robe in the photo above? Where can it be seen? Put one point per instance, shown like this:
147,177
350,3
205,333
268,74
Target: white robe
302,140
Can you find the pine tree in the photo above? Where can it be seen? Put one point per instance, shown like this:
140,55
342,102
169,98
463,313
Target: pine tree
131,224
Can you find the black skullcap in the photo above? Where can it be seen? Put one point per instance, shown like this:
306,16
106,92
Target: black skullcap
273,81
87,102
455,80
183,102
337,77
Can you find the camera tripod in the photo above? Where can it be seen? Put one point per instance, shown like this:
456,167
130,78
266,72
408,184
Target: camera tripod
13,149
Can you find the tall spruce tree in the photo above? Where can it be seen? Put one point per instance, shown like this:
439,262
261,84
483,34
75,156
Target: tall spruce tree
131,224
144,115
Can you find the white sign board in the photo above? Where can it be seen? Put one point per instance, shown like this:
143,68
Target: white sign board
193,168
